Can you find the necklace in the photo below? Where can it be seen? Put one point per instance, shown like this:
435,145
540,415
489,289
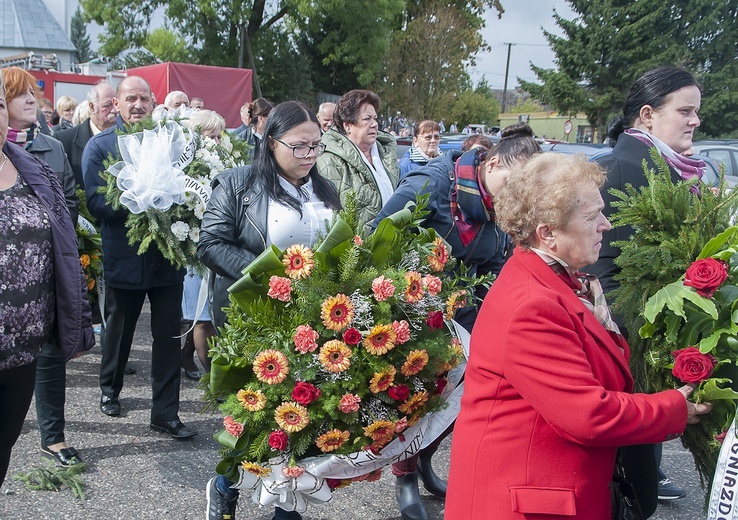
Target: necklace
2,164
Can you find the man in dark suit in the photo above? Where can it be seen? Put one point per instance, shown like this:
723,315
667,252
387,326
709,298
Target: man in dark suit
102,116
130,278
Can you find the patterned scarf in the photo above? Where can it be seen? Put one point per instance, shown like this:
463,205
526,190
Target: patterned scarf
587,288
471,205
687,167
23,138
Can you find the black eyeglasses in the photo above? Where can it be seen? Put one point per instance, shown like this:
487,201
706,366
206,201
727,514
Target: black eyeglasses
301,151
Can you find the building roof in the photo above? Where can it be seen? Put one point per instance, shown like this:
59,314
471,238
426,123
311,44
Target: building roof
28,24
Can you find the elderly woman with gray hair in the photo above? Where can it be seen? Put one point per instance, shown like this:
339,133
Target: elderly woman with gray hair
548,392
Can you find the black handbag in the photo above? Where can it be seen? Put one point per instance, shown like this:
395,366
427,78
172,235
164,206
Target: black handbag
625,504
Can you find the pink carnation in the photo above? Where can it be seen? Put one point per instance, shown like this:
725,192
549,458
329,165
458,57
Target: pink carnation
293,471
433,284
280,288
402,331
383,288
357,240
401,425
349,403
305,339
232,427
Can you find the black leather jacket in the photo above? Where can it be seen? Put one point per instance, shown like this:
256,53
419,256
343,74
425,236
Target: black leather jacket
233,233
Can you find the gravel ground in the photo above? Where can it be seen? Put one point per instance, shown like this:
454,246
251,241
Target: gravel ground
134,473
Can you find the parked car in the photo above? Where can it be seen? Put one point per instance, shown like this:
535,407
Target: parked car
722,154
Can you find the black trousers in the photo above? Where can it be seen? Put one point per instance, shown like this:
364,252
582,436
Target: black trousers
639,463
16,390
122,309
51,382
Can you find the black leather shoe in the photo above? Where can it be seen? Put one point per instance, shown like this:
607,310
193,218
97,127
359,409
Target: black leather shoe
194,375
129,370
110,406
174,429
432,482
66,457
408,498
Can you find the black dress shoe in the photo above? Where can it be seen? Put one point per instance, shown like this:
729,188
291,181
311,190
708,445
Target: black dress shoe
194,375
65,457
110,406
129,370
174,428
408,498
432,482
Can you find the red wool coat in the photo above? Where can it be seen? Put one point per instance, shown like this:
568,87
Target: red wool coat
546,404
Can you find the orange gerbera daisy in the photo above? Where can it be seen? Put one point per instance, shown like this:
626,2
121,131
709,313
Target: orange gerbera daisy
271,367
381,432
251,400
299,261
337,312
414,290
332,440
439,255
457,300
291,417
382,380
380,340
416,361
335,356
256,469
414,402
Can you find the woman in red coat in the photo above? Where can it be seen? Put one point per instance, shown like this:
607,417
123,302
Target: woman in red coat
548,389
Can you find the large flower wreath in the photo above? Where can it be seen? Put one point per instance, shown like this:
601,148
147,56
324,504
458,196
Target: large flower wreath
677,296
163,179
333,359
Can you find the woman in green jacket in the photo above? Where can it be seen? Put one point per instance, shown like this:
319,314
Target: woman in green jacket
358,156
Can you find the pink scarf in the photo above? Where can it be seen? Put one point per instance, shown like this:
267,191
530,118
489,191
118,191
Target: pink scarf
686,167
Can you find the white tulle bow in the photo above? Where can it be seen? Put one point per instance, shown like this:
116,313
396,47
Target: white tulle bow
150,174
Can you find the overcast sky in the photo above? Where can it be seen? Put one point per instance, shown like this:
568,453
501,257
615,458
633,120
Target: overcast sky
522,23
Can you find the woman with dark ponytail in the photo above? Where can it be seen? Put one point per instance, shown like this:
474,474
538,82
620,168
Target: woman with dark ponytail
461,189
661,112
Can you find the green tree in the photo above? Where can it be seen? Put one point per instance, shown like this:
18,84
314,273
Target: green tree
474,107
79,37
167,45
430,53
610,43
277,58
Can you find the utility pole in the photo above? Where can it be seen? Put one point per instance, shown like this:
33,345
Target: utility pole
507,72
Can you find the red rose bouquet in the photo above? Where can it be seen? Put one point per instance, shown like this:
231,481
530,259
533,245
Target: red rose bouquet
693,327
335,360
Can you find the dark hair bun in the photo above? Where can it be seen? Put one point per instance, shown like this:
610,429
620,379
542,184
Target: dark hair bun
616,128
517,130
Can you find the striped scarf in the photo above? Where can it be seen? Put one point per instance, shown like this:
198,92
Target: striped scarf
471,205
23,138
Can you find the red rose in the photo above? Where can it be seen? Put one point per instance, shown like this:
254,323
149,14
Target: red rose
434,320
352,336
278,440
706,276
720,437
441,383
305,393
692,366
399,392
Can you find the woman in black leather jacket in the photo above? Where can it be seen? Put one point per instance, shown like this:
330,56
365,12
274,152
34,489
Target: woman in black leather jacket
280,199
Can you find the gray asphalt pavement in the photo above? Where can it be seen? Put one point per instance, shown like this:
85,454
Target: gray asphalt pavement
134,473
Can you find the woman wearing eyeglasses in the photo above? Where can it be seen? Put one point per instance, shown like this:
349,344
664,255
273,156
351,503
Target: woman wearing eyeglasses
424,148
280,199
359,157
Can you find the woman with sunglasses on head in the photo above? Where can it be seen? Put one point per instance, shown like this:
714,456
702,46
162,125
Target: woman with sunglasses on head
424,148
280,199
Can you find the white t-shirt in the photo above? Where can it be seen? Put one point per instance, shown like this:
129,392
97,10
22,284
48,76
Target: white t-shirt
380,174
285,227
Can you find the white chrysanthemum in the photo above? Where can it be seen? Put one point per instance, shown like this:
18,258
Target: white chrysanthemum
194,234
199,210
180,230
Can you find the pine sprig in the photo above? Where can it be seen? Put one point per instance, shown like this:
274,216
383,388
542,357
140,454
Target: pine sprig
53,478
